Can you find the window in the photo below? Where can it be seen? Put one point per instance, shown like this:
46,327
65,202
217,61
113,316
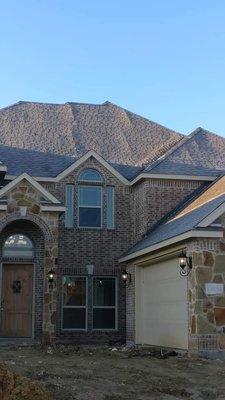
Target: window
90,175
19,246
69,216
104,303
90,206
110,207
74,303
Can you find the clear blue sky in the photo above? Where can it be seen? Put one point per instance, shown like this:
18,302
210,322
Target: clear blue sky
163,59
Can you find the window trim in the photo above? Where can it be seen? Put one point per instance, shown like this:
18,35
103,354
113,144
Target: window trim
100,207
113,208
69,224
84,307
89,180
106,307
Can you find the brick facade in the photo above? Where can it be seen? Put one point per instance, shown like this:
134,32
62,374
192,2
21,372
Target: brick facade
69,250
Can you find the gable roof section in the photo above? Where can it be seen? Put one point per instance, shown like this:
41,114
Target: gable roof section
193,221
201,153
100,159
48,196
48,166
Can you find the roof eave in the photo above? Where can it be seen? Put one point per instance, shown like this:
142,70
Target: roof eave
185,236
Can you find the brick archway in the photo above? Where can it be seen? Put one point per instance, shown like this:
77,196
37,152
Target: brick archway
35,219
50,254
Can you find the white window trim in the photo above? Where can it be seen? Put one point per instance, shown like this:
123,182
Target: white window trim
78,208
90,180
84,307
106,307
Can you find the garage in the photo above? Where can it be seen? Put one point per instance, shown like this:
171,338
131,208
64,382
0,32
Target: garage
161,305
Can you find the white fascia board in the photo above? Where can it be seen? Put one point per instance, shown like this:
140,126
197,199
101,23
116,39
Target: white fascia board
33,183
84,158
53,208
172,176
212,217
175,239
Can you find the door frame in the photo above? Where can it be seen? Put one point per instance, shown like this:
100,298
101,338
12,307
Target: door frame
31,262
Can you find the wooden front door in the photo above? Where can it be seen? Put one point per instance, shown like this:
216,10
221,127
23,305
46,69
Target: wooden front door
16,300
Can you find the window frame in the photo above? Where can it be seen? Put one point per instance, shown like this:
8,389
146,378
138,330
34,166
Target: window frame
106,307
17,255
69,224
70,307
113,227
100,182
100,207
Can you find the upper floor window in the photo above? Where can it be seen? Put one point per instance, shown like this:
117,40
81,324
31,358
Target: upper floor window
18,246
90,175
91,193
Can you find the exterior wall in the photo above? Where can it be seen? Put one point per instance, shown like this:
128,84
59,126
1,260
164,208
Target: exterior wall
206,312
24,215
130,307
69,250
154,198
79,247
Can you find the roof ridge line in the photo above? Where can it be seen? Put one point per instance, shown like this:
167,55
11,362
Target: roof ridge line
180,143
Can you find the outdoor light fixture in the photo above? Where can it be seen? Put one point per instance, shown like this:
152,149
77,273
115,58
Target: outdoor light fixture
185,264
126,277
51,274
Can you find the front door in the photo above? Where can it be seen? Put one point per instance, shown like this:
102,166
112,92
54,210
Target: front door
16,300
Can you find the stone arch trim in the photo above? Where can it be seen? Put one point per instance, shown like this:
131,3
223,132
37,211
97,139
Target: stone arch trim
36,220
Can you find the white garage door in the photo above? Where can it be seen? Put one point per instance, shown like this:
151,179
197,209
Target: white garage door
161,305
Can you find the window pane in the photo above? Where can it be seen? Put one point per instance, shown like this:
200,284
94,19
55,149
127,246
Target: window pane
74,318
90,196
104,318
69,206
104,292
90,217
90,175
18,246
74,291
110,207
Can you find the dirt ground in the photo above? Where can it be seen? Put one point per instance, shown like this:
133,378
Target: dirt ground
73,373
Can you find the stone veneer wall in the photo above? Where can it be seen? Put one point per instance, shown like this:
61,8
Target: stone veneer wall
23,204
206,312
130,307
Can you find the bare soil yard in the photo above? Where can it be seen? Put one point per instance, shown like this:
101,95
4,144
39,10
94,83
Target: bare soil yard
73,373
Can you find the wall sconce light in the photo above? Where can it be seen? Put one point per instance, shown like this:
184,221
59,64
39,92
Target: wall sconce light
51,274
126,277
185,264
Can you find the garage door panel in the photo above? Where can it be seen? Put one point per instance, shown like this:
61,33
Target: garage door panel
161,301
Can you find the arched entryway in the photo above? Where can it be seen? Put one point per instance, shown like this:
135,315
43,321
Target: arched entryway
22,246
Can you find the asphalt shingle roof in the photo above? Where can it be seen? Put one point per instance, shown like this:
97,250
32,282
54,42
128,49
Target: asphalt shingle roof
178,226
36,163
201,153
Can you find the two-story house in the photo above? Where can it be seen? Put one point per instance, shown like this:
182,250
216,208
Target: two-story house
100,252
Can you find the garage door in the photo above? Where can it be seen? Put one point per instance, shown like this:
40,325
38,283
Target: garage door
161,305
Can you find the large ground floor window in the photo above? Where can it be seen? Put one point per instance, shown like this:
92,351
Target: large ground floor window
74,302
89,299
104,303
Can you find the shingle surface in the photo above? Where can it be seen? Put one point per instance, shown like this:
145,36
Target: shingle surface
202,153
73,129
36,163
178,226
